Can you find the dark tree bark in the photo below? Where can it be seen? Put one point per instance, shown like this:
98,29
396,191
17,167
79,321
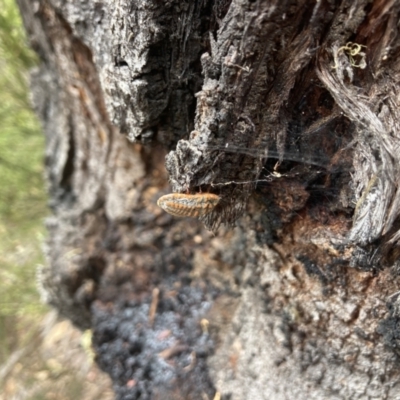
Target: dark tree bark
288,111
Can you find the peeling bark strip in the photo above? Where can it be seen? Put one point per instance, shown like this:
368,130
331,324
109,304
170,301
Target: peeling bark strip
259,57
305,289
256,86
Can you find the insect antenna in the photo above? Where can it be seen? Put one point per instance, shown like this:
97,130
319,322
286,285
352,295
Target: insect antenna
272,154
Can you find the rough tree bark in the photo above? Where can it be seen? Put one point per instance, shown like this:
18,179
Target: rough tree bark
287,110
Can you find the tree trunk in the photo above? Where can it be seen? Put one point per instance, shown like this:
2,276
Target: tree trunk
287,111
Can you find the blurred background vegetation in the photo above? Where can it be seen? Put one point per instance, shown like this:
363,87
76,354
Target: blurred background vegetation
22,195
40,356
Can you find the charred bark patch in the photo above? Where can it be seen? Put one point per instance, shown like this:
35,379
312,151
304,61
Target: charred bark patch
286,112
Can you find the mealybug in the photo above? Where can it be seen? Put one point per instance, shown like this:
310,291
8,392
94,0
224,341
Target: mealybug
188,205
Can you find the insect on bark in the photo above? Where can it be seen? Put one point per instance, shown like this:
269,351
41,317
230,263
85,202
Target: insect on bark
188,205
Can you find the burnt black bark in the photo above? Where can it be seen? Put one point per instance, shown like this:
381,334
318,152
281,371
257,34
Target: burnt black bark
288,111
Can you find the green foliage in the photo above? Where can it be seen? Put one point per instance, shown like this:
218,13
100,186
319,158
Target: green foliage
21,143
22,194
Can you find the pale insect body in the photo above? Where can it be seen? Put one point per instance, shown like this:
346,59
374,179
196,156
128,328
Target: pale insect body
188,205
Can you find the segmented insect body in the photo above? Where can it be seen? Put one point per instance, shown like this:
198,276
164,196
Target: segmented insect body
188,205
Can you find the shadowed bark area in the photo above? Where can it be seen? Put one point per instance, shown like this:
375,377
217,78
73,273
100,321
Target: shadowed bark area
288,111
